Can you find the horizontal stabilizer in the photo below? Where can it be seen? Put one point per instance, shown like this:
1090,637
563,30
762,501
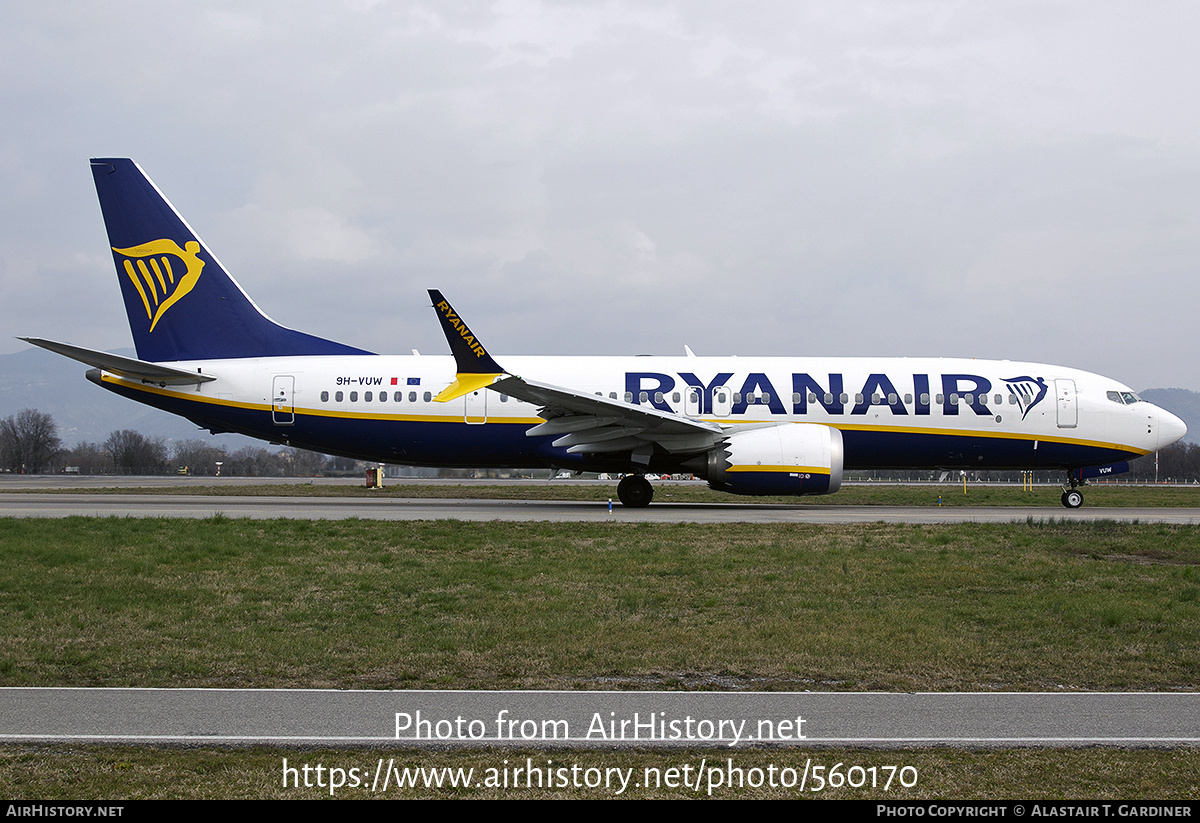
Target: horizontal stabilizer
124,366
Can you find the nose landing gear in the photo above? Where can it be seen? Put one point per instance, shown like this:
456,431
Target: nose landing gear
1072,498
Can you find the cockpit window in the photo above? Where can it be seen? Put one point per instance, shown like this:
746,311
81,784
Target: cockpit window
1125,398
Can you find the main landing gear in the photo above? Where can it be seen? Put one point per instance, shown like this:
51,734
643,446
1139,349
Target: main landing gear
635,491
1072,498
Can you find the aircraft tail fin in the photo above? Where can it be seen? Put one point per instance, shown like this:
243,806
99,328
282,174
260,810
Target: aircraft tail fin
181,302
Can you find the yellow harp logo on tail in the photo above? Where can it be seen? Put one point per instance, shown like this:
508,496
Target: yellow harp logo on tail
149,268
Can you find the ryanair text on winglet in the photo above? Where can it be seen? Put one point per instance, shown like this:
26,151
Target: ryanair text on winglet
454,320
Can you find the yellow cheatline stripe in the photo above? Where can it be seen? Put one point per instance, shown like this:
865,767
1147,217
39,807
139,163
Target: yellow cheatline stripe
345,415
191,397
456,417
1030,437
1041,438
465,384
788,469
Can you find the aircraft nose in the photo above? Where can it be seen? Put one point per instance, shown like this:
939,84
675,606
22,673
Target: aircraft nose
1170,428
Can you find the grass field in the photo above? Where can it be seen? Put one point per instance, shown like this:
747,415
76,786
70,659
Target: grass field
365,604
442,604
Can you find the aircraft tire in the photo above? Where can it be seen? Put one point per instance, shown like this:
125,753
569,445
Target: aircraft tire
1072,499
635,492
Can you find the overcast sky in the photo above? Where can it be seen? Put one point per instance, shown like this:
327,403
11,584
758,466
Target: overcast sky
1012,180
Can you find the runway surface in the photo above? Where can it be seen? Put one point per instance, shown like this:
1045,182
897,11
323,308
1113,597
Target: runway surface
35,504
594,719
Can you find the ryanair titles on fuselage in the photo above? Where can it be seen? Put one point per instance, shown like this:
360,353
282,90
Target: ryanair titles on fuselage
950,391
916,394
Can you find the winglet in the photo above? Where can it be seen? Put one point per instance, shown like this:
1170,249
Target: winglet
476,368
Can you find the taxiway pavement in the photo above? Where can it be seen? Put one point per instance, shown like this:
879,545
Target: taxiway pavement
35,504
306,717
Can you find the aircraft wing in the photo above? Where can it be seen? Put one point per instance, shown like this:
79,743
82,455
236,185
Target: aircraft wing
591,424
124,366
586,423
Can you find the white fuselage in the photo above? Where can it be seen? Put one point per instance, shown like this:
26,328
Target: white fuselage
892,412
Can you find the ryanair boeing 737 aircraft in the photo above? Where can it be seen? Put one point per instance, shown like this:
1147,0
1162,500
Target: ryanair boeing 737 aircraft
749,425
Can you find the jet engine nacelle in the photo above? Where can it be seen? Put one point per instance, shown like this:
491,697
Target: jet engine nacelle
792,458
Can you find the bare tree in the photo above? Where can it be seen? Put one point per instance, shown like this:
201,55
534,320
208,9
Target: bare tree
28,441
303,463
252,461
134,453
89,458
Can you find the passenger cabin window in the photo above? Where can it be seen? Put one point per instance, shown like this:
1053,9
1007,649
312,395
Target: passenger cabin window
325,397
368,397
398,396
428,397
338,397
412,397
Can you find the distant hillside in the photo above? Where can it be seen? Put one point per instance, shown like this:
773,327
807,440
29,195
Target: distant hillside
1183,403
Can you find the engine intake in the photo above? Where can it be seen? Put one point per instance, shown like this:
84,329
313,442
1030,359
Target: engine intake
791,458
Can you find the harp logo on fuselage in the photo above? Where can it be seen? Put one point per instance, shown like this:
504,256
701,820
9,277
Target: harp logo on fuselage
1029,391
158,282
